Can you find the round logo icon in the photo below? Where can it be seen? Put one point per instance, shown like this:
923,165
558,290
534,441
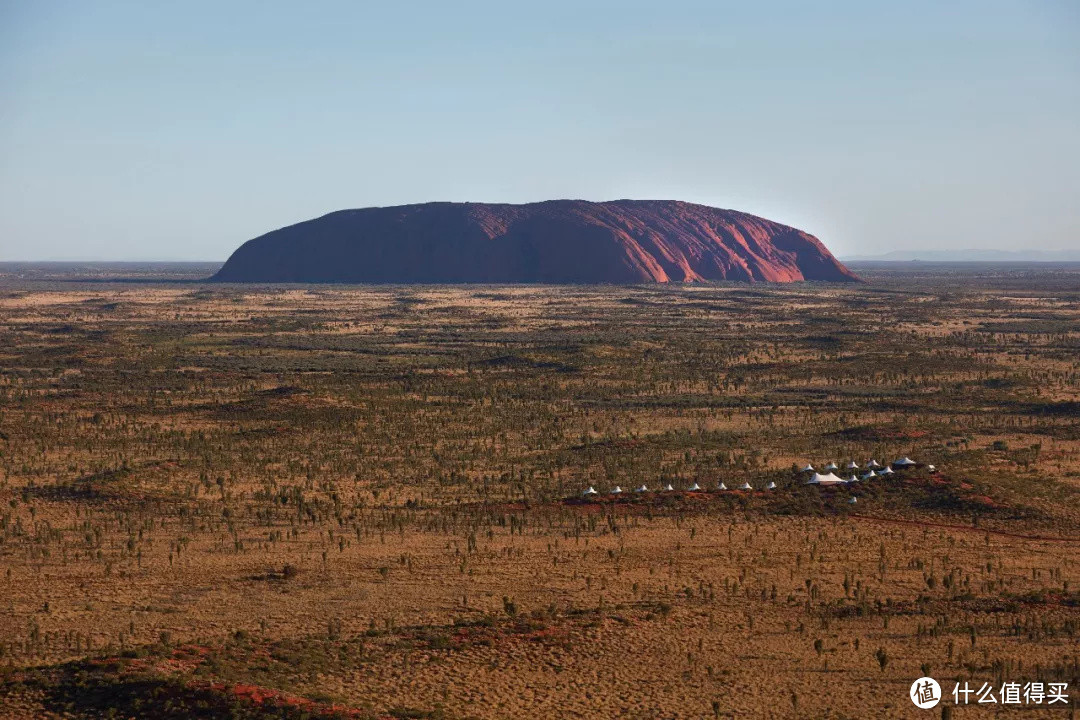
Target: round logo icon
925,693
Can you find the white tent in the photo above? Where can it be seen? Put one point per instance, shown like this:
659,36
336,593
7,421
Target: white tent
771,486
745,486
695,488
853,465
590,491
873,464
904,462
643,488
722,487
819,479
830,467
808,468
617,490
668,488
887,471
853,500
852,479
871,474
931,468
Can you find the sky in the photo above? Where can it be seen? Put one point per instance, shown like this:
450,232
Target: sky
177,131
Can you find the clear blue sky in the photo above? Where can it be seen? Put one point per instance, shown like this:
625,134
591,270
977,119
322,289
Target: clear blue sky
150,130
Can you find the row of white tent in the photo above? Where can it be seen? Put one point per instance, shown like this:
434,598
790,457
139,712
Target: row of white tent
591,491
617,490
875,469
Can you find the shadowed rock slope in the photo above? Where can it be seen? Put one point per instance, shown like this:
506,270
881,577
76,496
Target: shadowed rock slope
559,241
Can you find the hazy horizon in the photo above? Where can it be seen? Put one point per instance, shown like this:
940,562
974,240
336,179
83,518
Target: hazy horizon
143,133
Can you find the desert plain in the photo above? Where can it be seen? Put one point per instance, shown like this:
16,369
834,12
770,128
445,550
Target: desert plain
255,501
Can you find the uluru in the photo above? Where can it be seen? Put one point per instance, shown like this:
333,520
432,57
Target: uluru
557,241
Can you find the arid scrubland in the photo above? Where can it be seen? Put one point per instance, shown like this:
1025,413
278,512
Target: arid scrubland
243,501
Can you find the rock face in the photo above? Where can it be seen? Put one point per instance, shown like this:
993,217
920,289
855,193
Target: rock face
560,241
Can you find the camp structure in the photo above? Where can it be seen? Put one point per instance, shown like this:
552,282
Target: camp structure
694,488
831,467
931,468
904,462
617,490
808,468
871,474
589,491
887,471
643,488
722,487
873,464
668,488
853,500
745,486
771,486
852,479
853,465
826,480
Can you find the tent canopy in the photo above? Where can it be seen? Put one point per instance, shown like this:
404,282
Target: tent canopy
819,479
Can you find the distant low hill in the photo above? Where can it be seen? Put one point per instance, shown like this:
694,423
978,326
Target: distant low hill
970,256
559,241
